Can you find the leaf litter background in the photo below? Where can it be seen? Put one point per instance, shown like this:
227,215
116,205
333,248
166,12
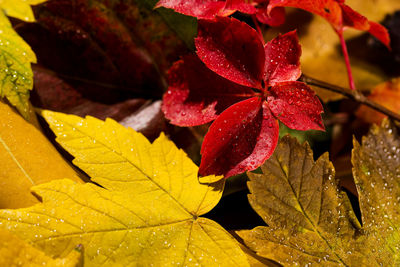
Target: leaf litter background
85,51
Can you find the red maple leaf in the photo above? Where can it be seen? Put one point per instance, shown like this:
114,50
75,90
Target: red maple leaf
209,9
338,14
246,87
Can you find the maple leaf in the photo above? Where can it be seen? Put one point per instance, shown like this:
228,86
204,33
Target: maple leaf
16,56
245,87
210,9
147,213
311,221
338,14
16,252
25,159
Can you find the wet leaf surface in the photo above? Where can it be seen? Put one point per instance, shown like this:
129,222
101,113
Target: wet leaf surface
311,221
146,212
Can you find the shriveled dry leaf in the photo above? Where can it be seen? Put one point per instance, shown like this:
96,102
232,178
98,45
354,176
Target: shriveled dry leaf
147,213
27,158
312,222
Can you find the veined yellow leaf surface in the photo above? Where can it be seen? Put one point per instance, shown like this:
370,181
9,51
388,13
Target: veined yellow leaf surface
147,213
27,158
16,252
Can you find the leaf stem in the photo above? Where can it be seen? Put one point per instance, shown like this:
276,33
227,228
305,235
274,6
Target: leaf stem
346,59
352,94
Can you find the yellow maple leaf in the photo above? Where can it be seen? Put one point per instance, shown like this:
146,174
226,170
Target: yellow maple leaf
27,158
16,55
147,213
16,252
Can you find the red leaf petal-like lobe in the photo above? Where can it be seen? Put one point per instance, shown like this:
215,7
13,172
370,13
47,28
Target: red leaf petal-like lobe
328,9
354,19
202,9
282,59
240,139
274,18
295,104
380,33
196,94
232,49
241,6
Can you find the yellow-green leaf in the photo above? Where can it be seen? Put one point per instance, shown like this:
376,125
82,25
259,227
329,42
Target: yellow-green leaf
20,9
27,158
376,170
16,77
16,252
312,222
147,213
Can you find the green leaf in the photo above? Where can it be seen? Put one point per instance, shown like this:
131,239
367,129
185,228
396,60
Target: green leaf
16,56
312,222
147,213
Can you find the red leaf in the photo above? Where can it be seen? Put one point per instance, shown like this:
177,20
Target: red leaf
240,5
201,9
328,9
232,49
240,139
354,19
274,18
337,14
380,33
243,136
196,94
295,104
282,62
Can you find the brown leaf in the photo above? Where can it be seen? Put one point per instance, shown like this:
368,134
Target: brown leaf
312,222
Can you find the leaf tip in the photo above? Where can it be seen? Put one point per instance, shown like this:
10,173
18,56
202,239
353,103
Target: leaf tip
210,179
